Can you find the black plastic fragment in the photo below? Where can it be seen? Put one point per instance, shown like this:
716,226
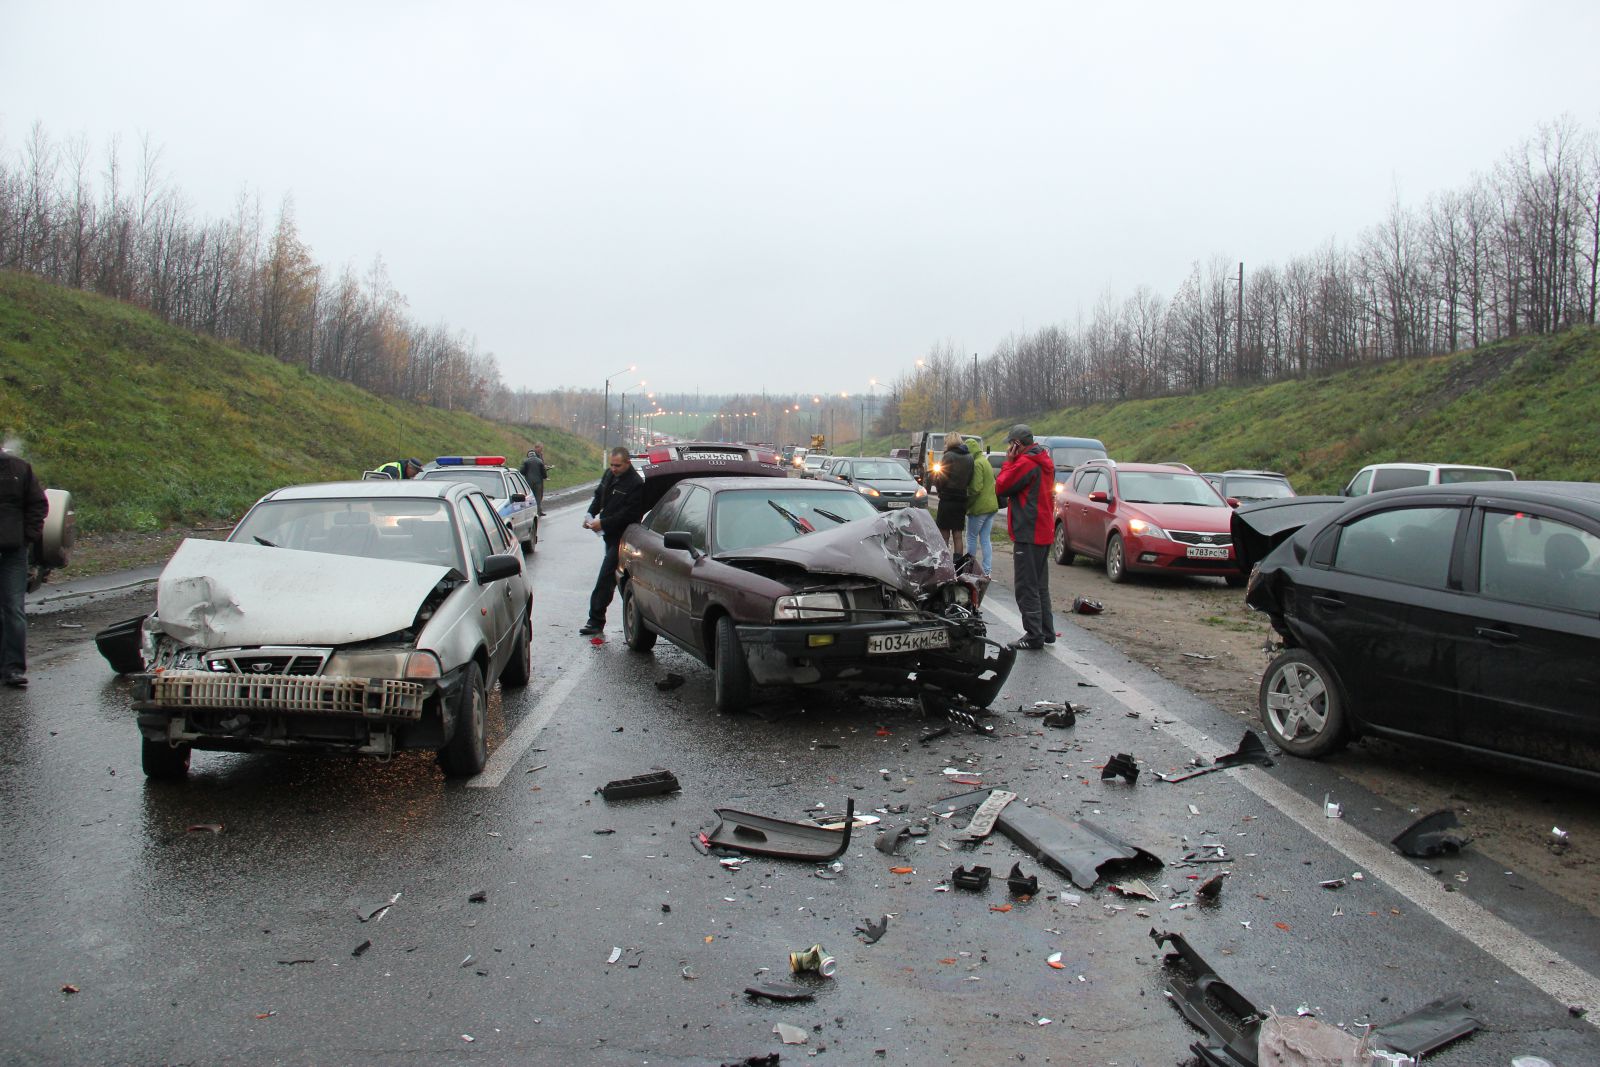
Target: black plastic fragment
977,878
785,991
1234,1039
1076,849
871,931
1084,605
1211,888
769,1060
1430,1027
671,681
1022,885
1431,836
480,896
119,643
1120,765
762,835
359,949
1062,717
644,785
1251,750
888,842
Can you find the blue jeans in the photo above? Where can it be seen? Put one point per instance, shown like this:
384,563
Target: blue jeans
978,527
13,622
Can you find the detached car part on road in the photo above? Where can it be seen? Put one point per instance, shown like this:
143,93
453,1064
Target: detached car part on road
774,581
351,617
1466,616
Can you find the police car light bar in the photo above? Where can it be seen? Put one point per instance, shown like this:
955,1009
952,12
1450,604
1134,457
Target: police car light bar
471,461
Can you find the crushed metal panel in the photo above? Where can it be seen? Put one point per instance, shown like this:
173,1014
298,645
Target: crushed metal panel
216,593
1076,849
1259,528
902,549
761,835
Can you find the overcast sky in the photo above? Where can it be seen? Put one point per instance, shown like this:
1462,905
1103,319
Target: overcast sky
801,196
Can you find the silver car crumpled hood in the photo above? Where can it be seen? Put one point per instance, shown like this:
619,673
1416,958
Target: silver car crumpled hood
902,549
216,593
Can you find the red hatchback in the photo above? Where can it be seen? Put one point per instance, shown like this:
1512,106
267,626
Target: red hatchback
1145,517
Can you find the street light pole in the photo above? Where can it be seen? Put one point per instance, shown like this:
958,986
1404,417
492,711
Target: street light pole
605,415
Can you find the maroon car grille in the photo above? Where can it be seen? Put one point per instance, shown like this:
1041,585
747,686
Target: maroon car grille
1190,537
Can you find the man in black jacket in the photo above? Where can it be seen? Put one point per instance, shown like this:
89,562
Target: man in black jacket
535,470
618,503
23,507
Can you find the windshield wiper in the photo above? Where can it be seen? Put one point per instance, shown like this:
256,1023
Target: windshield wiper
830,515
263,541
800,525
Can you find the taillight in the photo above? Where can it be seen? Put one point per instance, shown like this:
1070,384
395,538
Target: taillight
659,455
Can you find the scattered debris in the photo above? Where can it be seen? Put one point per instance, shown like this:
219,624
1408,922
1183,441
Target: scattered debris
302,959
934,735
1332,808
69,989
205,828
827,874
479,897
468,960
755,1061
378,912
902,870
1083,605
1286,1039
836,822
616,954
1211,888
789,1035
1071,900
982,822
1430,1027
1199,656
1234,1039
977,878
1251,750
643,785
670,682
1120,765
783,991
871,931
813,960
765,836
1560,841
1076,849
890,840
1431,836
1022,885
1135,887
999,907
359,949
1062,718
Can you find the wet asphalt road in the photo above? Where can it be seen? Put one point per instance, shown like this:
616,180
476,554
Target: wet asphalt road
239,946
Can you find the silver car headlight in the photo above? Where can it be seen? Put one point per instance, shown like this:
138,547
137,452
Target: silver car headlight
401,662
808,606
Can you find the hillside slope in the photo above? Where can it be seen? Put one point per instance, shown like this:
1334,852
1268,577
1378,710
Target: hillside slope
148,424
1526,403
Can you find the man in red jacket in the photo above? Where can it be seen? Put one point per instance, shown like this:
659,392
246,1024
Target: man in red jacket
1026,485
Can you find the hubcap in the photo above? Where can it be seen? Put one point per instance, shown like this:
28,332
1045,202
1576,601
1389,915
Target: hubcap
1298,702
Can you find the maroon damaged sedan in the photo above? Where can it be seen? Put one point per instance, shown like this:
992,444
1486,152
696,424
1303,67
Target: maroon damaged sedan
788,582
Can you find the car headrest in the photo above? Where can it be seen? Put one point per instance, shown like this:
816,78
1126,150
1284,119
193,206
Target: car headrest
1565,553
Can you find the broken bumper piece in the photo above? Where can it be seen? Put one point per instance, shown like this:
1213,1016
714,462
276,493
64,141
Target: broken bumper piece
1198,992
761,835
1075,849
278,694
643,785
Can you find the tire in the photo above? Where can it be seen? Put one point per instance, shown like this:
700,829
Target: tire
518,670
163,762
1059,550
468,748
1116,562
1302,706
730,674
533,538
635,634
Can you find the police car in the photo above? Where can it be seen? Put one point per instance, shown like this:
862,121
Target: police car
505,487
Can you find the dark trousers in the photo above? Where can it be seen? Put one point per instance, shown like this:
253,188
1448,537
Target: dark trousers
605,585
1030,579
13,620
538,497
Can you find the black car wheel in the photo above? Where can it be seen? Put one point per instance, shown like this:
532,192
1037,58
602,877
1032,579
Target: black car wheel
468,748
730,674
519,668
1116,565
635,634
162,761
1301,704
1058,548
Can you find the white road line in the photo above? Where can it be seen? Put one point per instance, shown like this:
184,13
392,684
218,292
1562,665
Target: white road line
1547,969
516,746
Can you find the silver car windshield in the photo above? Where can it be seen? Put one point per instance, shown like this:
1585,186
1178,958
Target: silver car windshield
492,482
745,518
408,531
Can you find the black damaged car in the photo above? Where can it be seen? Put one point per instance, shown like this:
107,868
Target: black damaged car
787,582
1465,616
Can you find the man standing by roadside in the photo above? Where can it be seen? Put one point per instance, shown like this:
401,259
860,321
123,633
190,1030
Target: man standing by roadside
618,503
535,471
981,507
23,508
1027,482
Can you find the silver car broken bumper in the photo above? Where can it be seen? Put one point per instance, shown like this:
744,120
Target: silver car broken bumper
369,698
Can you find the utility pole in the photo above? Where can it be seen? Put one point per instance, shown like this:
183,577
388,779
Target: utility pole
974,383
1238,341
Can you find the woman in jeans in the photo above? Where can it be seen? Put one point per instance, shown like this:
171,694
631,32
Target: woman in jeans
982,506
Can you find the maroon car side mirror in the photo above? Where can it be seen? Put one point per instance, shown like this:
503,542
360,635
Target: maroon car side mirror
1100,496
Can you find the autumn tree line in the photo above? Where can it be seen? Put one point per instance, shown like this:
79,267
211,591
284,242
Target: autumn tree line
1514,251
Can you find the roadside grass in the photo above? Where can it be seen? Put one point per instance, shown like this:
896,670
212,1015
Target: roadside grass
149,425
1526,403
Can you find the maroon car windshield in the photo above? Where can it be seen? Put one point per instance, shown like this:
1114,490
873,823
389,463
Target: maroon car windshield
748,517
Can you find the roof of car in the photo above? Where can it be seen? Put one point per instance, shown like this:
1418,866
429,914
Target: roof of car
722,485
1243,474
1140,468
1579,496
424,488
1429,467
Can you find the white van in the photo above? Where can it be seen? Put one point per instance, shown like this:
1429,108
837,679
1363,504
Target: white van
1376,477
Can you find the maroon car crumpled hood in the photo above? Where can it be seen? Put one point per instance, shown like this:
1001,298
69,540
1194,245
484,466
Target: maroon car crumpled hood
902,549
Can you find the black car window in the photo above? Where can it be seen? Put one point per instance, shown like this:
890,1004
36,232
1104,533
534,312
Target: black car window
663,513
1397,478
500,536
1533,560
1411,545
1087,479
692,516
477,539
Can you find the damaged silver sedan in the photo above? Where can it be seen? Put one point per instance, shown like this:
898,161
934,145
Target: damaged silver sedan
355,617
803,583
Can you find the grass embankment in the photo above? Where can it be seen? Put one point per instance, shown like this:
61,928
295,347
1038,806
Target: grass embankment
149,425
1526,403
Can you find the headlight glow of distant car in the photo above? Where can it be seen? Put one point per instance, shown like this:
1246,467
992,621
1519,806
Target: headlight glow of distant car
867,490
1146,529
809,606
921,492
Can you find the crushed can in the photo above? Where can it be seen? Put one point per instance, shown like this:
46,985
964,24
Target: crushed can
814,960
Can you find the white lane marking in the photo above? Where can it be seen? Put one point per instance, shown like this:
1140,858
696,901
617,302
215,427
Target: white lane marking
516,746
1542,966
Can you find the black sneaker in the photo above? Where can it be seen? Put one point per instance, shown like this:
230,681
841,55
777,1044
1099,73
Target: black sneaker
17,681
1028,644
1049,639
589,628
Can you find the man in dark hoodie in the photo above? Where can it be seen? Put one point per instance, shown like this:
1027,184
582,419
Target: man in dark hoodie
23,507
1026,485
618,503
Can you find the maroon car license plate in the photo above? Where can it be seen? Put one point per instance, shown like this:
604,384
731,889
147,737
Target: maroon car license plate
907,641
1207,552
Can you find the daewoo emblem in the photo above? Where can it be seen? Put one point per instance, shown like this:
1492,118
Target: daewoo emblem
262,666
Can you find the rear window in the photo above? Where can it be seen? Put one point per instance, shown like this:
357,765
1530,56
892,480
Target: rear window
1244,488
489,481
1452,475
745,518
1071,456
1397,478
